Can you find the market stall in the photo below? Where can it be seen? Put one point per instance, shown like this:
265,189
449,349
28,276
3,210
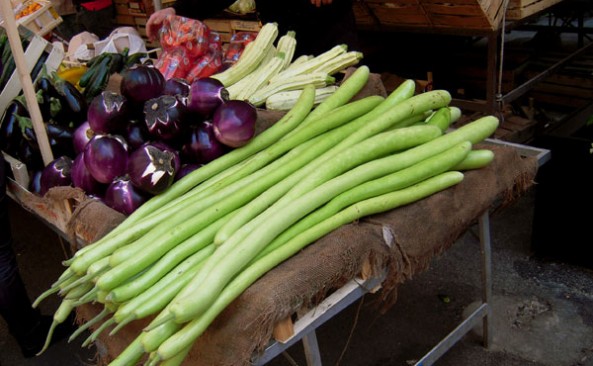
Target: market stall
378,253
381,250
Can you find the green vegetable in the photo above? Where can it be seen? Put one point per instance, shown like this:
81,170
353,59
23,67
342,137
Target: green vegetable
225,263
251,57
476,159
193,329
415,173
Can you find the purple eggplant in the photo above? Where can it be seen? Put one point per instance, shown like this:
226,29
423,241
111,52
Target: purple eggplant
234,122
205,95
153,166
82,135
122,196
10,130
106,157
136,134
185,169
166,117
177,86
202,146
142,82
56,173
108,112
83,179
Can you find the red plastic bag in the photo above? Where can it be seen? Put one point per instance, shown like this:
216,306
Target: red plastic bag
236,46
175,63
215,41
190,34
208,65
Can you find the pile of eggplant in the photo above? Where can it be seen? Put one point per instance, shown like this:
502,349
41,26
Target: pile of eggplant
127,146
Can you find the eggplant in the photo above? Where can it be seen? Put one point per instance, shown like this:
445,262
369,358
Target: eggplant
142,82
30,156
206,95
121,195
74,105
136,134
108,112
83,179
234,122
82,135
176,86
106,156
56,173
153,166
166,116
10,132
202,146
47,97
59,100
59,137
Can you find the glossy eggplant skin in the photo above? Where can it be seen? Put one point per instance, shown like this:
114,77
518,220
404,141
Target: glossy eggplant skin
73,102
47,98
59,137
59,101
10,132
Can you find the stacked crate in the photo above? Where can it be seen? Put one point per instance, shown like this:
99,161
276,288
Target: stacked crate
228,27
42,21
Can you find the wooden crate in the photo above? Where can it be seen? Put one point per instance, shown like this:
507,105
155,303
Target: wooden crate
432,14
37,48
519,9
42,21
227,27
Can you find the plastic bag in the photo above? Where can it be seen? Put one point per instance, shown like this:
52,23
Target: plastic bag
236,46
191,34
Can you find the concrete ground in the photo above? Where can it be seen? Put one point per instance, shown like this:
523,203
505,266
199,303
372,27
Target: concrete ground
543,308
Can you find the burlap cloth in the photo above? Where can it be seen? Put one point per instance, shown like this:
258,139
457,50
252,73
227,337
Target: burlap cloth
400,243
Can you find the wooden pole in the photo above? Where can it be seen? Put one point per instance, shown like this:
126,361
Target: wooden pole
27,84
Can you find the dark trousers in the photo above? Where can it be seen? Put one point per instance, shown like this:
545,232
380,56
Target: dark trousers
15,305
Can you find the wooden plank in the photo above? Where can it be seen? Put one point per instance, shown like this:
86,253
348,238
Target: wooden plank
219,25
19,170
245,25
283,330
456,21
124,19
404,15
462,11
468,14
519,9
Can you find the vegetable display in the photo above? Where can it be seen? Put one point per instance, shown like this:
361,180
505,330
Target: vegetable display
185,254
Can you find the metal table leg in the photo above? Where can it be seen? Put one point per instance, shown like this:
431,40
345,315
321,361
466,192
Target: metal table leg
482,313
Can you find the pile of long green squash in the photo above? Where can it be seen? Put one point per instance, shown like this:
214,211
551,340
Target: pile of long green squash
187,253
